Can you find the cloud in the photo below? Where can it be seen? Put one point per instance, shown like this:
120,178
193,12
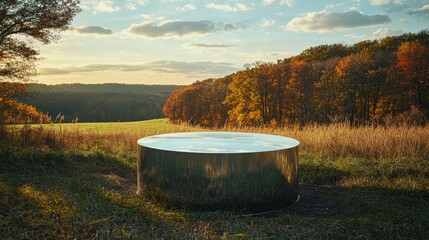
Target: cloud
267,2
187,7
380,33
208,45
385,2
179,28
379,2
162,66
229,26
267,22
404,20
229,8
207,67
326,21
384,32
92,30
264,56
355,36
105,6
419,11
289,3
130,6
53,71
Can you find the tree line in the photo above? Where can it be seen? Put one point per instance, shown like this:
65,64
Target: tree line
372,81
96,102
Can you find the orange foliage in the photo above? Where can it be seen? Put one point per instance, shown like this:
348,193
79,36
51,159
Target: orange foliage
370,82
15,112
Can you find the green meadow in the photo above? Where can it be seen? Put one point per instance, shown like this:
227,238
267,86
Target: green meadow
113,127
78,181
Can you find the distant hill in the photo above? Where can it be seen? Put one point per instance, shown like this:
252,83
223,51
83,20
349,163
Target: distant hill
100,102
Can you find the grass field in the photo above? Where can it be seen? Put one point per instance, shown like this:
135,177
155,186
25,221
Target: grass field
78,181
161,125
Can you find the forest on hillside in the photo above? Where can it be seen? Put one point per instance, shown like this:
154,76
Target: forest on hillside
373,81
97,102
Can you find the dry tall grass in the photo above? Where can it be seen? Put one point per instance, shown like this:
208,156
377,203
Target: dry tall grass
341,140
335,140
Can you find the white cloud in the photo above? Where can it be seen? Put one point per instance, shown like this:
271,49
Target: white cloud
267,2
380,33
419,11
229,8
404,20
179,28
326,21
130,6
267,22
92,30
355,36
379,2
172,28
187,7
384,32
385,2
289,3
250,57
208,45
105,6
162,66
334,5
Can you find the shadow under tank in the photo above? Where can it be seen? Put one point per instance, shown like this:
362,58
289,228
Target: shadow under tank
237,171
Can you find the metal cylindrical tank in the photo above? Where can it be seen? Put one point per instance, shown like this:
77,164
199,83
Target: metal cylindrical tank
219,170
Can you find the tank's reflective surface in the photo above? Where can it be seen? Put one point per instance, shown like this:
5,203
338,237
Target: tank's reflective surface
218,170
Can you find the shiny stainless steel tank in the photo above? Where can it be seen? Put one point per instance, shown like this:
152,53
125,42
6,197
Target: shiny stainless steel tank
219,170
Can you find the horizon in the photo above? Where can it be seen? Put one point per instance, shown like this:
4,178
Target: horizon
178,42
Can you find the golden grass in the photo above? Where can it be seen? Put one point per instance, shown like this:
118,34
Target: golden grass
341,140
335,140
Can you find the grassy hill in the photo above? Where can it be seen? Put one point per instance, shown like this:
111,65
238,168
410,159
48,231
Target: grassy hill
79,181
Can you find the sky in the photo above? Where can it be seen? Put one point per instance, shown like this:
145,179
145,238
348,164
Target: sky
183,41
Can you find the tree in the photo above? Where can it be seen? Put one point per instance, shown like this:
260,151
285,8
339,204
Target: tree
326,90
353,75
21,23
302,88
413,60
244,98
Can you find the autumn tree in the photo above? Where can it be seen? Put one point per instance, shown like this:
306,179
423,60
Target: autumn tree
279,74
364,83
243,99
326,91
378,88
218,111
301,88
352,76
323,52
413,60
22,23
